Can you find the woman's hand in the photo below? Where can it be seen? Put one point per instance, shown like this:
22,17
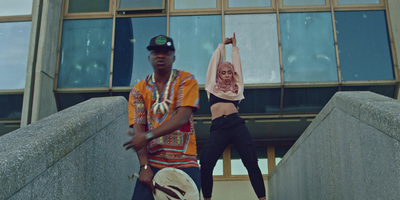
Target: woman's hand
233,40
227,41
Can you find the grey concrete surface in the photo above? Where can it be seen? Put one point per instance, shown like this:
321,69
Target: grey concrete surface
350,151
74,154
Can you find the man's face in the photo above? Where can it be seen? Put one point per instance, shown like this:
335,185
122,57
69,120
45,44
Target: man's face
161,60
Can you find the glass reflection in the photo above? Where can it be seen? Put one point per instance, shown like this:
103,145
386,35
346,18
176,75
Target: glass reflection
132,36
303,2
11,106
261,101
306,100
79,6
364,46
67,100
195,39
280,151
140,3
85,53
195,4
348,2
308,49
237,167
14,38
249,3
386,90
257,40
13,7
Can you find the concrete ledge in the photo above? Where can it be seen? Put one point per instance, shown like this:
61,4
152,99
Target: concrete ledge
350,151
69,154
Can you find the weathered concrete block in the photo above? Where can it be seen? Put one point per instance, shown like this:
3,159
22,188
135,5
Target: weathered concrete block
350,151
74,154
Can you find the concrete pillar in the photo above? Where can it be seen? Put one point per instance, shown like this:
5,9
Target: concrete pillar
39,99
394,8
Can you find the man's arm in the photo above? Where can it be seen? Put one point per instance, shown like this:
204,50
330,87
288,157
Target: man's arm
180,118
146,174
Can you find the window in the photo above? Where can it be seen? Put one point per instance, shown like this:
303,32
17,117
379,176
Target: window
79,6
14,37
237,167
303,2
258,48
15,8
364,47
195,4
248,3
195,39
308,49
140,4
280,151
15,34
306,100
350,2
85,53
132,36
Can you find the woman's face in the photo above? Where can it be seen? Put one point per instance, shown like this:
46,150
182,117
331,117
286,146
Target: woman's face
226,74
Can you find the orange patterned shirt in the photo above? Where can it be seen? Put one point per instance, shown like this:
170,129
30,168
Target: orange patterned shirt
177,149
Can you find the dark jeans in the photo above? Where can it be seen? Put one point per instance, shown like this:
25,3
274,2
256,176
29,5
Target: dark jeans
225,130
143,192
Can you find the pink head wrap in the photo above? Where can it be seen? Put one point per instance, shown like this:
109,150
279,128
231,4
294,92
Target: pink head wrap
221,86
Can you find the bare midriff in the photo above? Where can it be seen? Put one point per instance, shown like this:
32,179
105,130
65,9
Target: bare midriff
222,108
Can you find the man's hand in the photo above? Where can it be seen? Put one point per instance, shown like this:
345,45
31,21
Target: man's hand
137,142
146,177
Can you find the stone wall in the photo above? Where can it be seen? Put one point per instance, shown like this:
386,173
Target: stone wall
350,151
74,154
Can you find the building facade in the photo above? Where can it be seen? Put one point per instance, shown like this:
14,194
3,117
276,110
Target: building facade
295,55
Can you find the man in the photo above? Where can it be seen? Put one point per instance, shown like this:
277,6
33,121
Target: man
161,110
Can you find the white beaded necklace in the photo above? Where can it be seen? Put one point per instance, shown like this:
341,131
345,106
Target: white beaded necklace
163,106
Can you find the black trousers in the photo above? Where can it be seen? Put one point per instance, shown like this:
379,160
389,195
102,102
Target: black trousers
226,130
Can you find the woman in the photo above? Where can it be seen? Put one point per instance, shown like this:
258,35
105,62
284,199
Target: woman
224,86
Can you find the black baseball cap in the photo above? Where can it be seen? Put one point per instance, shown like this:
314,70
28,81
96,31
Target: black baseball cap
161,41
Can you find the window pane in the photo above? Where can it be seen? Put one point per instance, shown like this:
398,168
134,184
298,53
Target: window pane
13,7
386,90
195,4
257,40
249,3
132,36
237,167
8,127
280,151
14,38
306,100
261,101
11,106
195,39
308,49
346,2
364,47
303,2
140,4
85,53
70,99
204,104
79,6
